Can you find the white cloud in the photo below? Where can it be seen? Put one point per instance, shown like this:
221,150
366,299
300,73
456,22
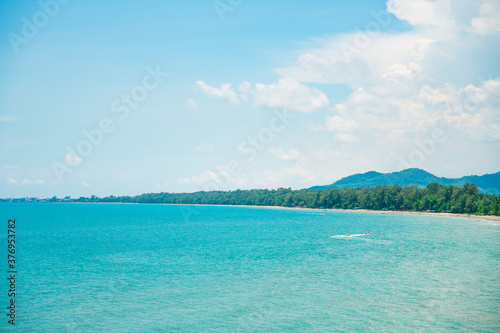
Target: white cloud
125,175
340,124
85,184
10,166
473,111
12,181
27,182
19,144
161,185
444,15
343,128
290,155
7,118
435,14
224,92
488,21
289,94
243,149
190,103
219,179
72,160
205,147
245,89
205,177
346,137
282,177
343,60
361,58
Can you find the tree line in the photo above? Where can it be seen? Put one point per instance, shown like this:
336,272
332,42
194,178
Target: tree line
436,198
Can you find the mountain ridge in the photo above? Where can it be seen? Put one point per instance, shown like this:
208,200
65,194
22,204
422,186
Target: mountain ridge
487,183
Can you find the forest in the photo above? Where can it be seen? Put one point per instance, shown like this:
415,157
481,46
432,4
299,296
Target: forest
434,198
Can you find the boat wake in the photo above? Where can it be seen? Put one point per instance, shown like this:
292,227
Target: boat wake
350,235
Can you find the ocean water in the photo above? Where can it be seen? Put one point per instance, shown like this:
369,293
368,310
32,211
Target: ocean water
167,268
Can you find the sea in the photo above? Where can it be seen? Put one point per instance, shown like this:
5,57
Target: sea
92,267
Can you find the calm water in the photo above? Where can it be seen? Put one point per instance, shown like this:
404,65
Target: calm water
138,268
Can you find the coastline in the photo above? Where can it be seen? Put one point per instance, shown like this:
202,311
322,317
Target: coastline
469,216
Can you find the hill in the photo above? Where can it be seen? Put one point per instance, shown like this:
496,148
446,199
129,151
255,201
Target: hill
489,183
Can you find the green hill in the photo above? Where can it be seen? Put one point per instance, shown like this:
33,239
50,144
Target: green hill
489,183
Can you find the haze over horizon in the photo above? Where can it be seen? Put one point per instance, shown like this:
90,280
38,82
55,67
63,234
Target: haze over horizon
123,98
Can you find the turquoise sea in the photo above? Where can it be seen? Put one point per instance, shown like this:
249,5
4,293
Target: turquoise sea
168,268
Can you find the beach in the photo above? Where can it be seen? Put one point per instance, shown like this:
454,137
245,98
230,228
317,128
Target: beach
469,216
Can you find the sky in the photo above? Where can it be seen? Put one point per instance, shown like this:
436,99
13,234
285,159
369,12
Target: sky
129,97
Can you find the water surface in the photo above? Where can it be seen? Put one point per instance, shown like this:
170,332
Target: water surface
131,268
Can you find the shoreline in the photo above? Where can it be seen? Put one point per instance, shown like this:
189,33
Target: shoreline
469,216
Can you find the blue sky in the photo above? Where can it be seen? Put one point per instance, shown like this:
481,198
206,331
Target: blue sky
259,94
